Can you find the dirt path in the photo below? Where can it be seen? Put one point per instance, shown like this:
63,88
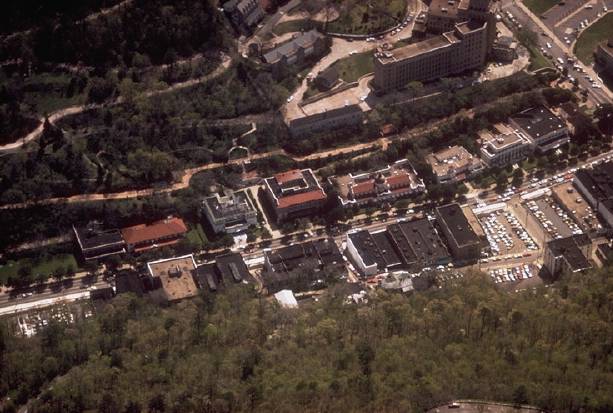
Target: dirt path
187,174
55,116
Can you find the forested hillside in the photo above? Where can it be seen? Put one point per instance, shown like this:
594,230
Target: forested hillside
144,29
238,352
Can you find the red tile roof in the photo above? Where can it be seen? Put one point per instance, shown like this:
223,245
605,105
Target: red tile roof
399,180
363,187
288,176
291,200
155,231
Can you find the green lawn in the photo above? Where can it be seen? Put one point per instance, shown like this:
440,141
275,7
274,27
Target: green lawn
197,236
537,60
351,68
363,17
590,37
46,266
47,92
539,7
295,26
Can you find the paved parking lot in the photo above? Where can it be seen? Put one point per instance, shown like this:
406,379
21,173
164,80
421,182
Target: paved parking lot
561,11
506,235
578,208
513,274
565,21
553,218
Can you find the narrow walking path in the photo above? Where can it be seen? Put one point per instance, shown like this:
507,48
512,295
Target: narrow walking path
73,110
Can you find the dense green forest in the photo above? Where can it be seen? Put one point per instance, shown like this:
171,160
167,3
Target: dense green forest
151,29
25,14
551,347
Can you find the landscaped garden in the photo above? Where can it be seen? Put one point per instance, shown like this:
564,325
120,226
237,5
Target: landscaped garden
361,17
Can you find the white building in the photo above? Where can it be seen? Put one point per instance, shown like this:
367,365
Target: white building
453,164
503,146
231,213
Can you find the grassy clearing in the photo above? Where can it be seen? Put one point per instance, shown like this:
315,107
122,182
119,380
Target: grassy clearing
45,266
351,68
537,60
361,17
590,37
295,26
47,92
539,7
196,236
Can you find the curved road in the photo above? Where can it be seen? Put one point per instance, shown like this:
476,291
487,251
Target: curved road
55,116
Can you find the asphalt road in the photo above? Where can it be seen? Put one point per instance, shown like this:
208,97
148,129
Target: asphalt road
556,48
51,290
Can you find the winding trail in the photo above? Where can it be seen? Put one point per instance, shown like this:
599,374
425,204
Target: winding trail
73,110
187,174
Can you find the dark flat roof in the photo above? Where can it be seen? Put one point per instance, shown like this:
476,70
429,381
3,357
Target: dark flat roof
91,237
456,222
311,254
232,267
569,248
598,181
425,241
538,121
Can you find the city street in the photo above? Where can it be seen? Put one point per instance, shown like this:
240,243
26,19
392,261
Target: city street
556,47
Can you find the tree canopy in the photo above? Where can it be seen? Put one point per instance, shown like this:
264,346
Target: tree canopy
238,352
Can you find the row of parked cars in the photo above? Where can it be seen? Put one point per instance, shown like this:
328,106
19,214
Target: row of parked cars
520,272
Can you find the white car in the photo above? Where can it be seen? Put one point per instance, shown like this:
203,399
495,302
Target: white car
289,99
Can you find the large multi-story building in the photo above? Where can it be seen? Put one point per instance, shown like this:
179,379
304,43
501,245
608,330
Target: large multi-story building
231,213
294,194
395,181
245,14
503,145
298,265
454,164
296,51
96,242
443,15
542,127
346,116
567,254
463,48
604,57
463,242
596,185
408,245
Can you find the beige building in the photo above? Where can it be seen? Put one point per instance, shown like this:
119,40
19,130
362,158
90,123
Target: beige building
453,164
393,182
175,277
453,52
503,145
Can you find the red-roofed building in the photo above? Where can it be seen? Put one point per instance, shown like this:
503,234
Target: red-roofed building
374,188
144,237
294,194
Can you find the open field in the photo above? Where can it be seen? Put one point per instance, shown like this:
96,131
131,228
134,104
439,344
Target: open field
539,7
590,37
351,68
